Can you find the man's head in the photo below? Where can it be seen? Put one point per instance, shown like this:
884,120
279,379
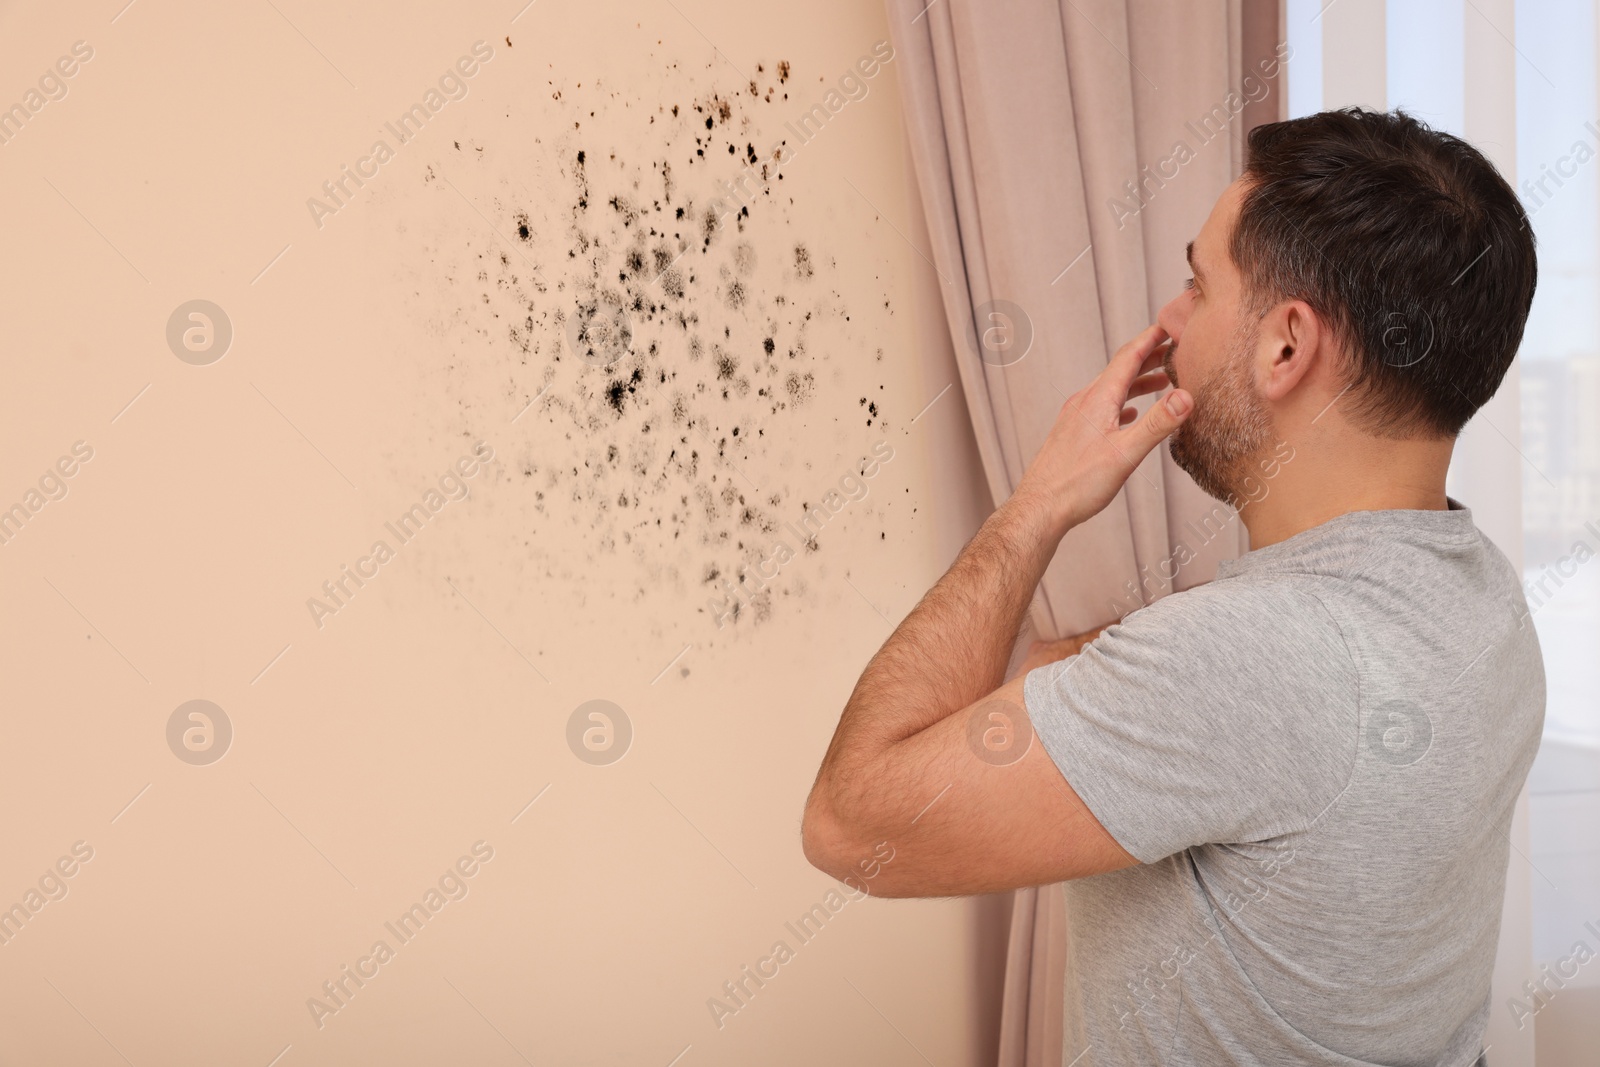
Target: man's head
1364,268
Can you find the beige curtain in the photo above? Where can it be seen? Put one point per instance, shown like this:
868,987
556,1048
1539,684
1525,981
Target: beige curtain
1066,151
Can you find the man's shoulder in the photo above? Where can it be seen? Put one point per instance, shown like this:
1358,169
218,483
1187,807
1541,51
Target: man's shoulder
1240,605
1274,632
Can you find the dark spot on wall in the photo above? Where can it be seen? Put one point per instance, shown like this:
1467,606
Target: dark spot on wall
593,333
618,391
744,259
800,386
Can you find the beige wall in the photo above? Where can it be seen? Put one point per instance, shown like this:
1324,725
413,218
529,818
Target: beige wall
368,353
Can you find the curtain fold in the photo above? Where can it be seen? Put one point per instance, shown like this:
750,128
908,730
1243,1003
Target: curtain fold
1065,152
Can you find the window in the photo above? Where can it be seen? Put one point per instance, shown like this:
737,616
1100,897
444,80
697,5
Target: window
1419,55
1558,142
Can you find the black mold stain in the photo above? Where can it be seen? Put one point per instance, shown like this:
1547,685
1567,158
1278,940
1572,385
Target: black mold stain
617,393
648,447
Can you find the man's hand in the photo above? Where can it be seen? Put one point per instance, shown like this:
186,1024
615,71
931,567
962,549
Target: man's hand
1097,440
1041,653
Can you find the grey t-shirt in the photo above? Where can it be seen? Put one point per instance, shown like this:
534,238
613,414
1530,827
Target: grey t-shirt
1315,758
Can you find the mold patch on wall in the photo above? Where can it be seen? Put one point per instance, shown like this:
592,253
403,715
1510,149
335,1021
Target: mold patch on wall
650,331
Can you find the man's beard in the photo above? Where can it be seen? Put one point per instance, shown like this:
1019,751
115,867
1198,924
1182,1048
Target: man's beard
1230,423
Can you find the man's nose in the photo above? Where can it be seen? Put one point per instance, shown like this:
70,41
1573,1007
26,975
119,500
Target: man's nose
1173,316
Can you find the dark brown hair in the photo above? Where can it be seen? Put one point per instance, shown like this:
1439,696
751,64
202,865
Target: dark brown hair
1410,246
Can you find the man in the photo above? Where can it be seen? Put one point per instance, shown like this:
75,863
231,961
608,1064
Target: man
1280,800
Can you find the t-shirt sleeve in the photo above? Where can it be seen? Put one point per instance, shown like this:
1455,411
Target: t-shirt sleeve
1228,713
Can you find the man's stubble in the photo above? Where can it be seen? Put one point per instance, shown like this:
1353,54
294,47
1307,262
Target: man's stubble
1230,424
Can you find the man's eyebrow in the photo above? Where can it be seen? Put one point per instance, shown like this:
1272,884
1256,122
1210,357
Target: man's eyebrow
1188,253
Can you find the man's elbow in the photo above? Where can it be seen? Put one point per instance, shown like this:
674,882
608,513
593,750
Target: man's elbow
857,859
822,836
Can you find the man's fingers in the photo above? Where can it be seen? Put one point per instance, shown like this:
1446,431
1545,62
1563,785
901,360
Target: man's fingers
1143,385
1130,359
1153,382
1156,358
1167,415
1164,416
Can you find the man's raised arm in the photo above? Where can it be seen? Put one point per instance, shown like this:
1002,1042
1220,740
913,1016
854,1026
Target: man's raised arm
900,747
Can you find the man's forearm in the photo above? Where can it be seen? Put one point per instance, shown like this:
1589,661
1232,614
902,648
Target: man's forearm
898,749
954,646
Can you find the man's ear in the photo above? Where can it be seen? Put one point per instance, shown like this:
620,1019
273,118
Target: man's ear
1291,341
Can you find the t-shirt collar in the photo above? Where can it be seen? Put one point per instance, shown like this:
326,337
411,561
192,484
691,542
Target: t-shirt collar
1454,523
